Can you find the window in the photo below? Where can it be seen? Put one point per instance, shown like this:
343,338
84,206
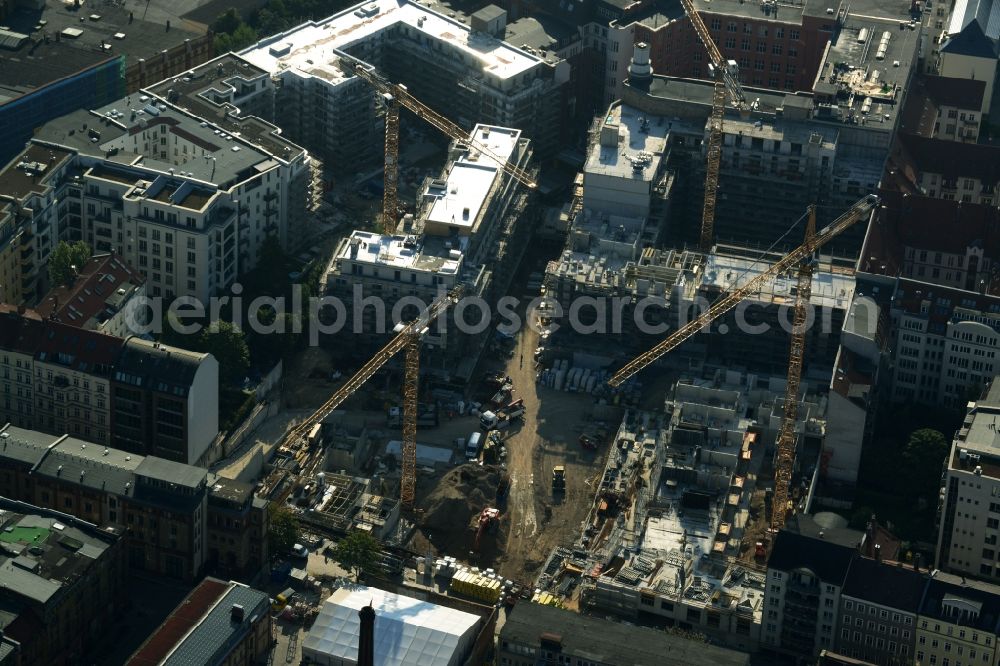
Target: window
716,24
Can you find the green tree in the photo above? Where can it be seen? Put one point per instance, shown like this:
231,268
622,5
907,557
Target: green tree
357,551
228,345
227,22
64,257
923,456
283,532
244,36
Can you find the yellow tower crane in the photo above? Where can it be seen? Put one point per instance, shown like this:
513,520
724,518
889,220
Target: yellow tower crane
726,78
800,258
407,337
395,95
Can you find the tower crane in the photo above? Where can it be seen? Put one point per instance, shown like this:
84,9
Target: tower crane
800,258
726,80
395,95
407,337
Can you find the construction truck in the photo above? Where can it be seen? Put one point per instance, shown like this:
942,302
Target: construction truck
500,419
559,479
489,521
427,416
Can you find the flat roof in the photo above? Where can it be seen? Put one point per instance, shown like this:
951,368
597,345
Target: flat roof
877,97
195,93
49,56
597,639
317,43
29,172
829,288
471,178
40,553
641,143
404,252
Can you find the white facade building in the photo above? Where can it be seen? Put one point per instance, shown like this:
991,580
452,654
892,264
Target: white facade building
970,499
179,180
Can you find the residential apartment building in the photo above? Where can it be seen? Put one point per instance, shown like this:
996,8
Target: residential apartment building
878,612
882,611
237,525
106,296
217,624
966,172
959,622
969,514
968,45
165,510
91,64
536,634
141,396
941,294
471,227
951,108
182,181
779,50
805,577
62,585
463,70
164,401
824,146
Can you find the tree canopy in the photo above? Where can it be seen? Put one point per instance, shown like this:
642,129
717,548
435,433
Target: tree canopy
63,258
283,532
228,345
923,457
357,551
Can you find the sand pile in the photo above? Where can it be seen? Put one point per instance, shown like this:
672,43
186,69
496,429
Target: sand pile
459,496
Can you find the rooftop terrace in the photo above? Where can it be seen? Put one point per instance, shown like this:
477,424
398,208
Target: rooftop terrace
630,146
314,45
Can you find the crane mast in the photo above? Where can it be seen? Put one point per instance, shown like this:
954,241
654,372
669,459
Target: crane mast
407,337
728,301
726,80
785,447
395,96
390,174
800,258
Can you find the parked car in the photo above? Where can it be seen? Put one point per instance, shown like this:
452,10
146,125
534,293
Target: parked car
300,551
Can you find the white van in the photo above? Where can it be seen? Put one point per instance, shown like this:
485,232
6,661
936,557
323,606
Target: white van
472,446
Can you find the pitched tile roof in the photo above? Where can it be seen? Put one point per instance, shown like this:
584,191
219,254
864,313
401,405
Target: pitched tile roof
886,584
103,284
948,91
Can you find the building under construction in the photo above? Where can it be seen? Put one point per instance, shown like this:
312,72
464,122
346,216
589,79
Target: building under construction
826,145
626,208
679,509
472,225
463,70
339,503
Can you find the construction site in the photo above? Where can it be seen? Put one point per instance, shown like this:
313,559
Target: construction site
541,459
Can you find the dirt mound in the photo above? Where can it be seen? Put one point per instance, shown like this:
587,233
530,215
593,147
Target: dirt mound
459,496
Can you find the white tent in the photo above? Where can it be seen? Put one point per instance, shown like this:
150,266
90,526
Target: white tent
408,632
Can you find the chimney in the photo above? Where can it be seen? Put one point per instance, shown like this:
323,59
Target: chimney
640,72
237,614
366,640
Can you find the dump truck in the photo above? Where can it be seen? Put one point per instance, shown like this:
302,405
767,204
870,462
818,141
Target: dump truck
500,419
427,416
559,479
